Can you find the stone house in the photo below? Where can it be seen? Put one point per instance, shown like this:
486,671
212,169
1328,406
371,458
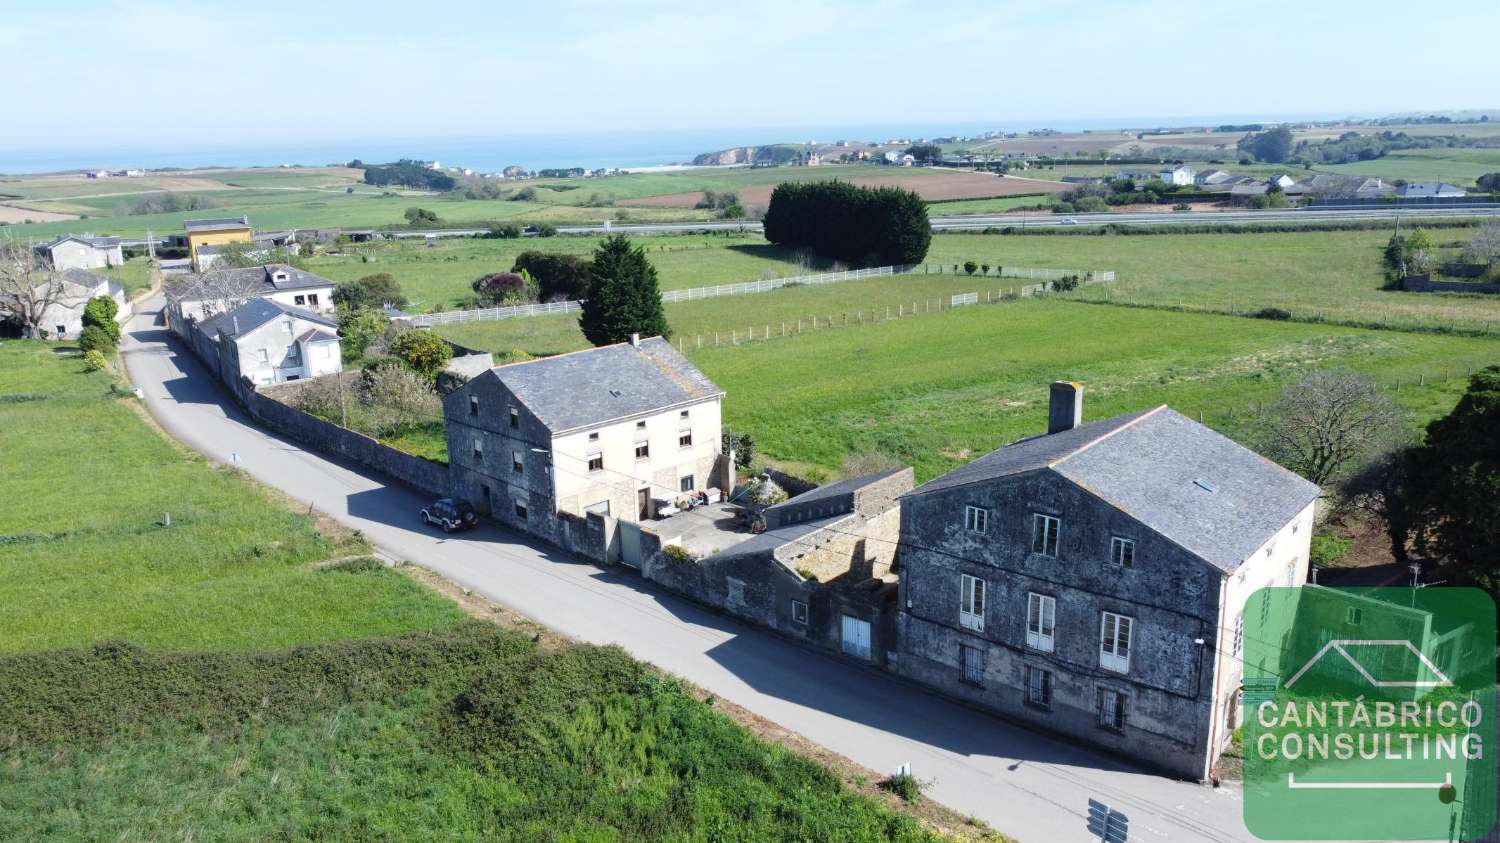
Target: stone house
269,342
614,432
821,572
63,318
205,295
1091,581
82,251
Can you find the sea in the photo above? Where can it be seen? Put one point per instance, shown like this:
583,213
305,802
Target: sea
627,149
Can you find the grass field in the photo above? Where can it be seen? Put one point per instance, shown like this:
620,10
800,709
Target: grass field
84,556
936,391
1459,166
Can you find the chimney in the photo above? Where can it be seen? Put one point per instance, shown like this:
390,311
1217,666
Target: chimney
1065,407
635,339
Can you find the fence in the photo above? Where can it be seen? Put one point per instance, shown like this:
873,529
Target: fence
491,314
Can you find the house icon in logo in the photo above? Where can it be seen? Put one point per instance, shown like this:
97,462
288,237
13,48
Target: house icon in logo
1340,645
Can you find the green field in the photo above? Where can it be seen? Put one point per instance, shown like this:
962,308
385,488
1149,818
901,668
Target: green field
936,391
1460,166
84,556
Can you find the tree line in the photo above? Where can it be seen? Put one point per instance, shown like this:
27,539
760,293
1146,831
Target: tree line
408,173
861,225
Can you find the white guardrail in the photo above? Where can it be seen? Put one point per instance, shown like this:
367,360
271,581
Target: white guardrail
491,314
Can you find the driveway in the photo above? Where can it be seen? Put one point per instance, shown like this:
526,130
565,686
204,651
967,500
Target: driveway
1025,784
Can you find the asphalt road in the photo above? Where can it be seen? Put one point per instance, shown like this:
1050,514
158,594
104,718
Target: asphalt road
1025,784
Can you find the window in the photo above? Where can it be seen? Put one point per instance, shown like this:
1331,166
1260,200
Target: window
484,493
264,355
642,450
478,451
1041,621
596,461
685,439
516,464
299,300
1038,686
1122,552
473,405
1239,632
288,326
1044,535
312,299
1353,615
799,612
640,425
686,484
1114,643
973,662
293,354
521,510
1111,709
62,331
682,416
976,519
515,418
971,603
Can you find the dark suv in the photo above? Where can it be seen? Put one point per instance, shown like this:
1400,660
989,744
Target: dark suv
451,514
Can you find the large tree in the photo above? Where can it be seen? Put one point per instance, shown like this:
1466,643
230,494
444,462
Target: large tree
623,297
559,276
28,290
1329,422
1458,475
370,291
1272,147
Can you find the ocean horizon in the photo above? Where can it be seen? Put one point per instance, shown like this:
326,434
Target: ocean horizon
593,150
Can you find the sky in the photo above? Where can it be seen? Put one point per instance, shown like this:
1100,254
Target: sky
148,72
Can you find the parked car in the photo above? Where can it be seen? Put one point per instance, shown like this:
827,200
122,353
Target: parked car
1068,221
451,514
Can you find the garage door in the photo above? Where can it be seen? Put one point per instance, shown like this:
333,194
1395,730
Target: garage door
856,637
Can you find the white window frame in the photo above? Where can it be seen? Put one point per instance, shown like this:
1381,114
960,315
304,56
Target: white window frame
1044,534
971,662
1239,633
976,519
1110,710
1116,634
799,612
1041,622
684,439
1122,552
686,483
641,456
517,463
1037,682
971,603
596,455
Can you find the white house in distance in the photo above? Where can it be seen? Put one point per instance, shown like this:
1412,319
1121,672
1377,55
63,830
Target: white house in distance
612,430
273,342
1180,175
82,251
63,320
205,295
1429,190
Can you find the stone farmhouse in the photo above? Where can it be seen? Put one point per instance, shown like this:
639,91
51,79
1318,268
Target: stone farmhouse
82,251
267,342
1091,581
604,436
63,319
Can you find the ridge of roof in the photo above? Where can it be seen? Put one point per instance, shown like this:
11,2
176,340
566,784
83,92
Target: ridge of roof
1106,434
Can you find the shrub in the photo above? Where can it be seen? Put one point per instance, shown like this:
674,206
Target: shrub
1328,549
677,553
502,231
743,445
970,267
558,276
1272,313
1065,284
904,785
525,194
94,360
421,217
358,330
359,565
546,229
502,288
95,338
422,350
371,291
101,310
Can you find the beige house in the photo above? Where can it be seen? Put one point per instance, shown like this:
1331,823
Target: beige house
618,431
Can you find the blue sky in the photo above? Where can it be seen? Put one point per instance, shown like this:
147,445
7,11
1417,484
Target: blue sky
96,74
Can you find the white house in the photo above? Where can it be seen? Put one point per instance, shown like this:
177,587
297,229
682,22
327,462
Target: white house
82,251
1180,175
273,342
614,430
1212,177
63,319
1429,189
205,295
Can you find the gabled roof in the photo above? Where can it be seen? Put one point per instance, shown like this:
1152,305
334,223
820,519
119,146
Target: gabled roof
317,335
1430,188
590,388
221,224
257,312
833,490
86,239
250,281
1210,495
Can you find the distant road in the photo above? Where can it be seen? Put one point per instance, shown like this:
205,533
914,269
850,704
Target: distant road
1039,220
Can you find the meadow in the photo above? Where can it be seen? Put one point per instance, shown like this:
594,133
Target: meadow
935,391
1460,166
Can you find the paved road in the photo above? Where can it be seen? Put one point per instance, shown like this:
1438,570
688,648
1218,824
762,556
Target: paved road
1020,782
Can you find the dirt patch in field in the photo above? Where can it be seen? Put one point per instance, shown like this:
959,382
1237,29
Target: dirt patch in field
932,185
12,214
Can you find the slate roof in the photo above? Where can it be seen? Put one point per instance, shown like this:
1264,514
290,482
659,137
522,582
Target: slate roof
221,224
75,277
87,239
251,280
1215,498
834,490
1429,188
317,335
257,312
600,385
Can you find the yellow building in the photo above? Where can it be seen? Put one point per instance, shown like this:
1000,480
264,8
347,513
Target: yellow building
201,233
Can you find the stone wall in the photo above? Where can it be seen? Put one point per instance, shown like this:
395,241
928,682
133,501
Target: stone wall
1425,284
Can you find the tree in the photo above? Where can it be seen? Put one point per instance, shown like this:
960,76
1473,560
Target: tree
1273,146
1382,489
397,396
1484,246
1457,472
422,350
498,288
28,291
1419,251
869,226
420,217
741,444
1328,422
358,328
925,153
95,338
559,277
623,297
100,311
1489,182
371,291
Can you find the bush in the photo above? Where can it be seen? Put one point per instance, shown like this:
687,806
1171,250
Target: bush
1065,284
743,445
94,360
1328,549
421,217
676,553
371,291
502,288
558,276
546,229
904,785
502,231
101,310
422,350
95,338
525,194
970,267
1275,313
